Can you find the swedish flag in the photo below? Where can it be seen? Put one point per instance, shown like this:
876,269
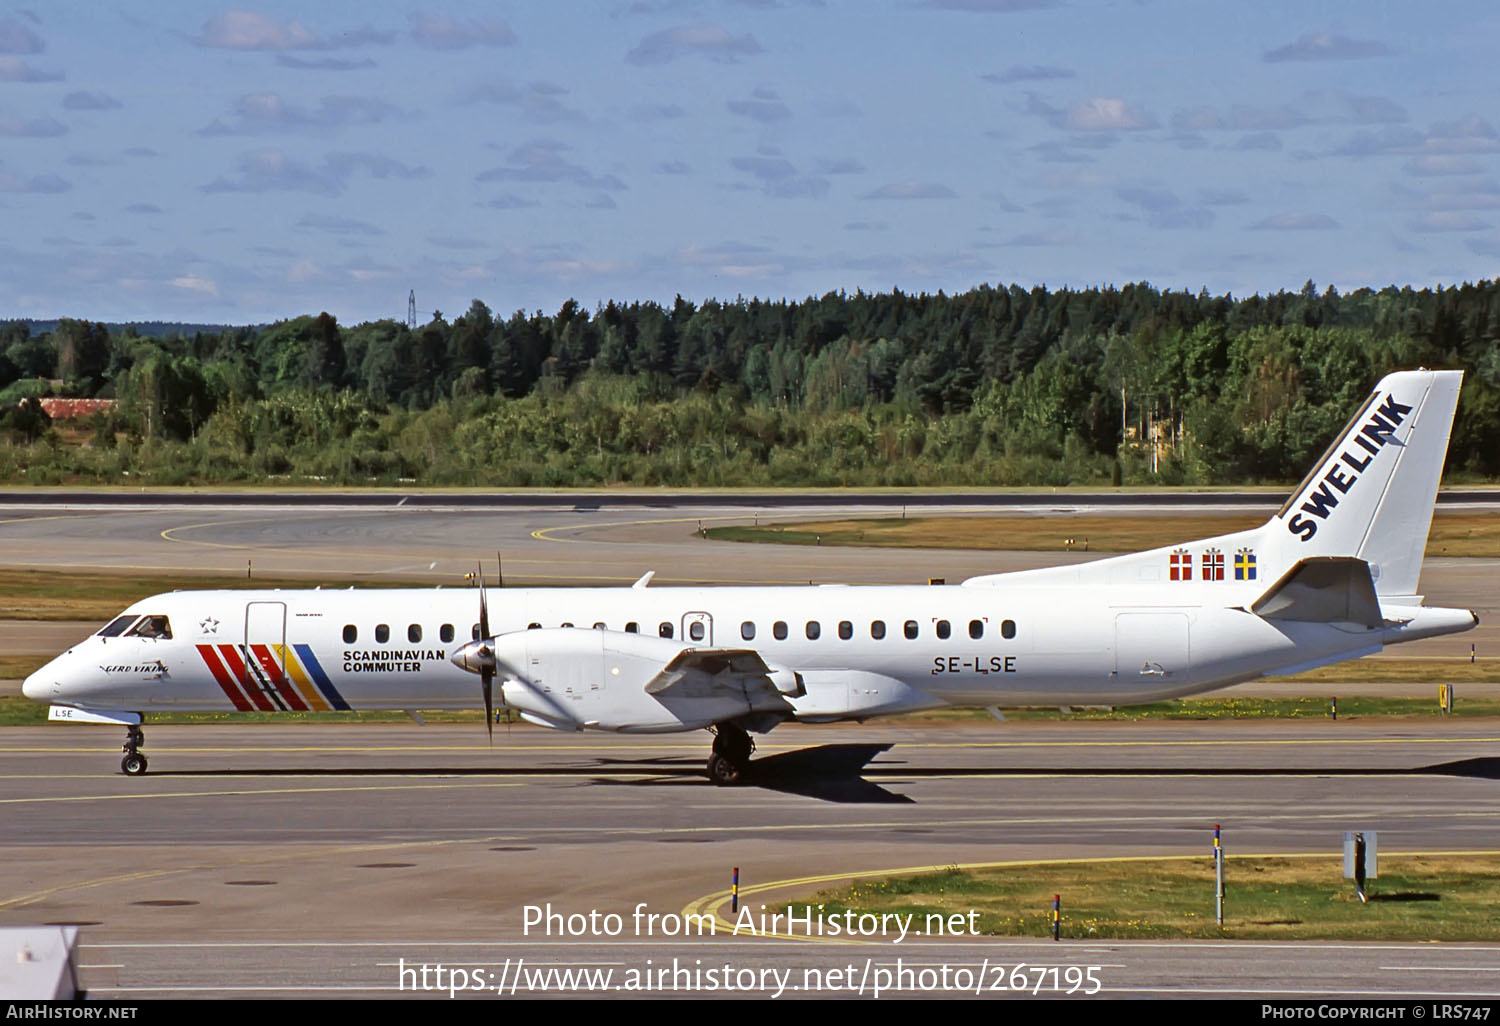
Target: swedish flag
1244,565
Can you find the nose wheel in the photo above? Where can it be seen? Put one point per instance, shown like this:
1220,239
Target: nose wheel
134,763
730,760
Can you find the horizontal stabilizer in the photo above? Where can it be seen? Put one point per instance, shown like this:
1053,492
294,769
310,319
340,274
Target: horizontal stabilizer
1323,589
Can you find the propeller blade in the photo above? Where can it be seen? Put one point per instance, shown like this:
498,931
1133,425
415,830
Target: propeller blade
487,684
484,609
487,673
500,569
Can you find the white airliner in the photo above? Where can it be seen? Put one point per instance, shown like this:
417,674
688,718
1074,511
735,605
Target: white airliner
1332,576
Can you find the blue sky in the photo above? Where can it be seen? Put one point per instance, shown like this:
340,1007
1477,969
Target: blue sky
197,162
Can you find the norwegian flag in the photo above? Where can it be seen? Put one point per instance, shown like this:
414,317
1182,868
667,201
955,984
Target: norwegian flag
1213,565
1180,565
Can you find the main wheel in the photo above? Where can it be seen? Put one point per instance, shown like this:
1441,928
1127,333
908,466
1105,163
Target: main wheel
724,772
733,744
134,764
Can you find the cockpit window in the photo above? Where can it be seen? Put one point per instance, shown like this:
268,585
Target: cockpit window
151,627
117,626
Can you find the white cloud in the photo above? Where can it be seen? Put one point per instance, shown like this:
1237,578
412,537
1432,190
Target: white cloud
13,127
193,283
255,113
247,30
1296,222
45,183
991,6
1443,164
13,69
441,33
1028,73
911,189
1324,46
275,171
17,38
714,42
1448,221
1107,114
90,101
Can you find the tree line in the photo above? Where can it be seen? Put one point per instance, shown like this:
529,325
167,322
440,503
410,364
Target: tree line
990,386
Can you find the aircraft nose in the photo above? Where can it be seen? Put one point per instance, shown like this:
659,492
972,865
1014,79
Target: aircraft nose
37,687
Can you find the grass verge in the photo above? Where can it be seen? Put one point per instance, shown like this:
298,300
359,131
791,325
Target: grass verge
1415,898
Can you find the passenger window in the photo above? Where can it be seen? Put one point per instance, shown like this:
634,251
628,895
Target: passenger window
382,633
695,630
351,634
533,626
151,627
565,624
117,626
747,630
632,628
664,630
814,630
910,629
846,630
877,629
778,630
976,629
1007,629
445,633
600,626
414,633
943,630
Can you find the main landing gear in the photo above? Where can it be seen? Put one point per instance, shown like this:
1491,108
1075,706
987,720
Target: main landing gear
134,763
731,757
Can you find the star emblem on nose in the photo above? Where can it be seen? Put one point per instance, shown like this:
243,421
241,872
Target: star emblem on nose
209,625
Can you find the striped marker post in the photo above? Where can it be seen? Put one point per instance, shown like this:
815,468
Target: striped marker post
734,892
1333,707
1057,917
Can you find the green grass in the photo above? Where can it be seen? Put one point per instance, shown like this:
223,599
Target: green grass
1415,898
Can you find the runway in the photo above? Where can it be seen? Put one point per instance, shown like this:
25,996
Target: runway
307,860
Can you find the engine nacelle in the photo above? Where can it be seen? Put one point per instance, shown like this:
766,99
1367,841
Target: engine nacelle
580,678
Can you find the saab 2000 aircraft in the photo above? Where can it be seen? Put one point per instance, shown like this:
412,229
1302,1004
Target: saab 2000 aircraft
1332,576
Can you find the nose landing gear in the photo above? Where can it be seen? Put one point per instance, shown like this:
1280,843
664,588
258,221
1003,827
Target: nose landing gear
134,763
731,756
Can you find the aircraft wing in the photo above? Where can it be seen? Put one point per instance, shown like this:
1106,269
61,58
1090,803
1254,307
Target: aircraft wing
695,672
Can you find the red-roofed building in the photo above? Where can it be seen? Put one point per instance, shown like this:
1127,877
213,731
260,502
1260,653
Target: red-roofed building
70,409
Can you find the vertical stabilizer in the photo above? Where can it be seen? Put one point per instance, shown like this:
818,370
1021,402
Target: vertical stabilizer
1371,495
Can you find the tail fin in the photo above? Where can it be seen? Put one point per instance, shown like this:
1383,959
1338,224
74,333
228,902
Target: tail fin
1372,493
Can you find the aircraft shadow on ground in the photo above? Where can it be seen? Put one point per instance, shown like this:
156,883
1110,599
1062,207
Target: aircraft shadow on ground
830,773
838,773
1484,768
